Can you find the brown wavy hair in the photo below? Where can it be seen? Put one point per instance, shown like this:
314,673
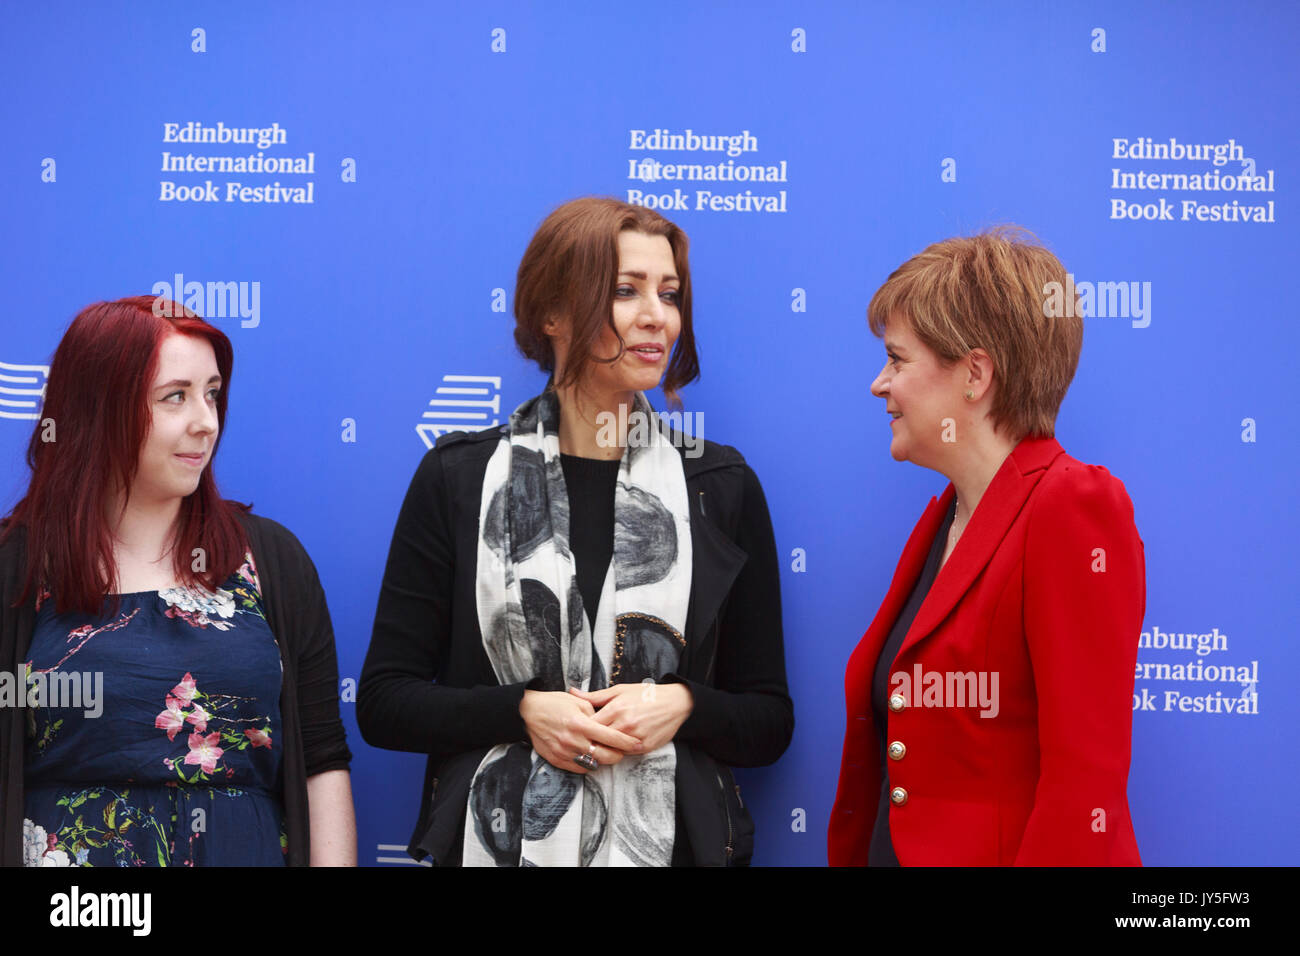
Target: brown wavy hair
569,271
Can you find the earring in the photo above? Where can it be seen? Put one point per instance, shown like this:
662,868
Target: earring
969,395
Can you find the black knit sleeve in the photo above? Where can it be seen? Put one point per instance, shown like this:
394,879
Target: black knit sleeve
399,704
324,739
746,718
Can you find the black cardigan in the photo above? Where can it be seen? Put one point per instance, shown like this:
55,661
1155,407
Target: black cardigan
309,693
426,630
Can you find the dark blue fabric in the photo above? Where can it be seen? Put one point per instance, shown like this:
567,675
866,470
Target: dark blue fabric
116,789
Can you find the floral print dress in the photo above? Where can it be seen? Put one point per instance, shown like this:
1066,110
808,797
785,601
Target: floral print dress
175,760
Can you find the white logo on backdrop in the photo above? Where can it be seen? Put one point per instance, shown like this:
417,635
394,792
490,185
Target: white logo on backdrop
1199,687
462,404
22,390
397,848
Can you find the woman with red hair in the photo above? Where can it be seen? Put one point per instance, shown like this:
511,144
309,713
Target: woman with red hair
179,703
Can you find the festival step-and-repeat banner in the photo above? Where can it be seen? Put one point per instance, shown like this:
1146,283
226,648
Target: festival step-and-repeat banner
346,191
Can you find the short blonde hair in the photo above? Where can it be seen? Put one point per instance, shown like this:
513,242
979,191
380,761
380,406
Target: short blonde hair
989,291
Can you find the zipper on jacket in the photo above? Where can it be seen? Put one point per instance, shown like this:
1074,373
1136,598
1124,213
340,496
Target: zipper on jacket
727,812
702,511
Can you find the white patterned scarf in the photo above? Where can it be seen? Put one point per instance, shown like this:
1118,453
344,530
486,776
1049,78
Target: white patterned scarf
522,811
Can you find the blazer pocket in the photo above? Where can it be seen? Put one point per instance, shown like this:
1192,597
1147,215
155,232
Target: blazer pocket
740,825
719,828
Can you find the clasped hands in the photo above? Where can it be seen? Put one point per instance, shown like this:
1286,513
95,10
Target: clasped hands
609,724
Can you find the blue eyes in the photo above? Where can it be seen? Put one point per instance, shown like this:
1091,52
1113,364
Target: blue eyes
213,395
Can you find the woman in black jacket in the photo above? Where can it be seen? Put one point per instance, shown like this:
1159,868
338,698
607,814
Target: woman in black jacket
580,617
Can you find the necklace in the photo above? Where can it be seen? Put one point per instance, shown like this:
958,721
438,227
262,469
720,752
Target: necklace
954,535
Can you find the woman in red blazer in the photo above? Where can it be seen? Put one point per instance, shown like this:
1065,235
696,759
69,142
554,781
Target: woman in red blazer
990,701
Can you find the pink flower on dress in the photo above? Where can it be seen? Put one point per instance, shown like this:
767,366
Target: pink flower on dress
192,618
204,751
184,691
199,718
260,738
171,719
248,571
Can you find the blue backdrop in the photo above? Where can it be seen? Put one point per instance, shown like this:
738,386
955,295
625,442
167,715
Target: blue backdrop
433,141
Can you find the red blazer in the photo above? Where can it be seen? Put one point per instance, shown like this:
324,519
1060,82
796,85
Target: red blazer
1047,589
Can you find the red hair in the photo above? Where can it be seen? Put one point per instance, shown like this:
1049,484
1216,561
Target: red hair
98,400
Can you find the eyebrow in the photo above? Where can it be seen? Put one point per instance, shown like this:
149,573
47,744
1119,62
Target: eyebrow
186,383
894,347
641,275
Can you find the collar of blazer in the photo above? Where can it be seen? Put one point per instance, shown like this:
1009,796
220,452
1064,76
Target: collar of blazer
715,563
716,560
997,510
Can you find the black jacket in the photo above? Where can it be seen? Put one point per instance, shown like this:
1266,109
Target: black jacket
428,686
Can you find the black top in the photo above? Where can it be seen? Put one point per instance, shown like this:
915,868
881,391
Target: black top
590,482
591,486
881,852
427,685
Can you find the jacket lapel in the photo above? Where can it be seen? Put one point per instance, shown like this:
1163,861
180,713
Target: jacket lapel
715,562
997,510
905,575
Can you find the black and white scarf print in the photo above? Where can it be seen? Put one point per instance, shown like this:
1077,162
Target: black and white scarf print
522,811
